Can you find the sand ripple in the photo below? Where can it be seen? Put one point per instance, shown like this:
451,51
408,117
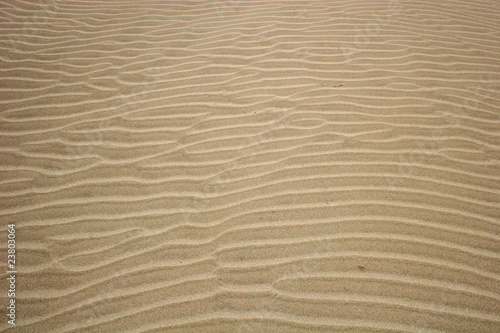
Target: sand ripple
252,166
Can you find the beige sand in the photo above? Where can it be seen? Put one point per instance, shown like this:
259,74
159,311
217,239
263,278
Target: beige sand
259,166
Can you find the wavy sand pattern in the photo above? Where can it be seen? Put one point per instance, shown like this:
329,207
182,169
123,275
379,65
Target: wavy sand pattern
252,166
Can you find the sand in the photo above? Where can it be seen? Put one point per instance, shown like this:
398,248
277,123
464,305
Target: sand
251,166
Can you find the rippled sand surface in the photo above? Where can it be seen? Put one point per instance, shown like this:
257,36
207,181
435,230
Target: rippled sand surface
251,166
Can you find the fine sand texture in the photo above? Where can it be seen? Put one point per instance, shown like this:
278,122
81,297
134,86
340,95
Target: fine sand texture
251,166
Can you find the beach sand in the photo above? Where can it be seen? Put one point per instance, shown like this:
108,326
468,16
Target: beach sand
251,166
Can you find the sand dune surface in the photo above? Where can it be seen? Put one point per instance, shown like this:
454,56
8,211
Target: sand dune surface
251,166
